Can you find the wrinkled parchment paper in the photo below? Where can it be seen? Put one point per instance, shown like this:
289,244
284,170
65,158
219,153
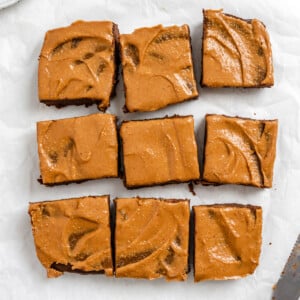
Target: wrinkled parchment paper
22,29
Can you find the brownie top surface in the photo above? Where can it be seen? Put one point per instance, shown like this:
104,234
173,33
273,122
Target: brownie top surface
77,149
227,241
239,150
159,151
157,67
72,232
151,238
236,52
77,62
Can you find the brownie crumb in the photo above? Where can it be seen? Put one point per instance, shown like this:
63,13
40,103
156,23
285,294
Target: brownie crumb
191,188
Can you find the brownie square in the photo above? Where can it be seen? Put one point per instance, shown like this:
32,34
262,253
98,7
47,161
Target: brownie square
227,241
73,235
157,67
239,151
236,52
152,238
159,151
78,149
78,64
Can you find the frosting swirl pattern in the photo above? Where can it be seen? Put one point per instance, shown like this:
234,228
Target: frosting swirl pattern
236,52
77,149
151,238
73,235
157,67
239,151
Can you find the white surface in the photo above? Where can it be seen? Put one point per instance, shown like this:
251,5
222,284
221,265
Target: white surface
6,3
22,29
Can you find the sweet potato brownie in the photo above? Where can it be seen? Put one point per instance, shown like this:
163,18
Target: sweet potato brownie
157,67
78,149
239,151
78,64
159,151
236,52
151,238
227,241
73,235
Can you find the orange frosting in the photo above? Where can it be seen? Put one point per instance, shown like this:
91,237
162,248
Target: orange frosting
239,151
77,149
157,67
159,151
151,238
73,235
236,52
227,241
77,64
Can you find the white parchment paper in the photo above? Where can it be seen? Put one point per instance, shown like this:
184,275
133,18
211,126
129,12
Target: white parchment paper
22,29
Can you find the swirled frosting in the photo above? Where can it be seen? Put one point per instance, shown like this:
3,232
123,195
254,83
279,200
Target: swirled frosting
227,241
239,151
236,52
159,151
77,64
157,67
77,149
151,238
73,235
